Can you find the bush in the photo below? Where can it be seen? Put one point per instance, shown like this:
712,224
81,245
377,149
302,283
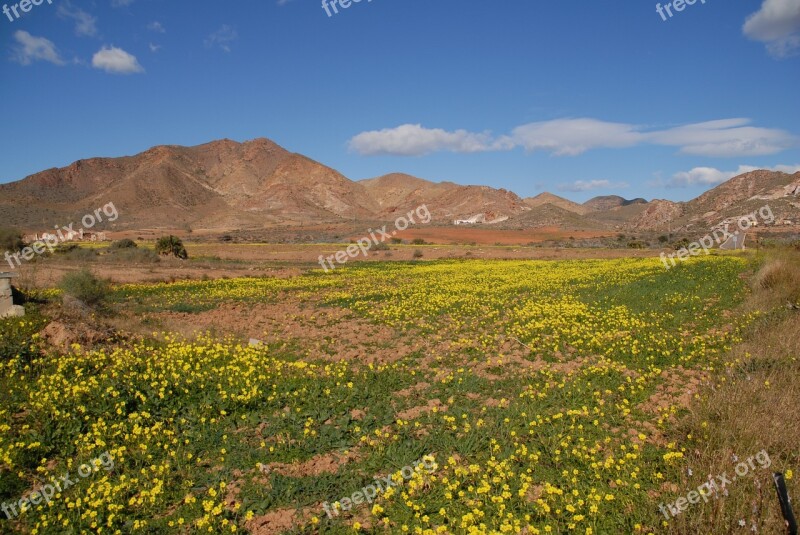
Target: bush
663,239
680,244
380,246
83,285
171,245
64,248
417,241
397,241
125,243
11,240
417,254
136,256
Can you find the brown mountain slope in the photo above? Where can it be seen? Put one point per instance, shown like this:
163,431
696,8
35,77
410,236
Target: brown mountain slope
555,200
609,202
550,215
398,193
737,197
218,185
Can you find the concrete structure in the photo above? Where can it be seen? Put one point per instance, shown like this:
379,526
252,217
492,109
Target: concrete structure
735,242
7,307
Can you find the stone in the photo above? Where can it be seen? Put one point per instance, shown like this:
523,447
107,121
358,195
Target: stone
7,308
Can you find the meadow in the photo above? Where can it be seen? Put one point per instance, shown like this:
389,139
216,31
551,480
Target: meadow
549,396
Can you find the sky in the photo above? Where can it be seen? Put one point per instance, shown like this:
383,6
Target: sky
576,97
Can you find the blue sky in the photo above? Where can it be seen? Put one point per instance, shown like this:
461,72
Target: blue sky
576,97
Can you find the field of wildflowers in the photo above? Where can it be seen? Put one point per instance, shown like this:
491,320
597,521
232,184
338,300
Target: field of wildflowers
546,392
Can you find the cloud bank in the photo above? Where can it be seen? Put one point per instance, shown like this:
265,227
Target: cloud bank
572,137
709,176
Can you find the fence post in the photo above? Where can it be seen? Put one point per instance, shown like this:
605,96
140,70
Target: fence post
786,505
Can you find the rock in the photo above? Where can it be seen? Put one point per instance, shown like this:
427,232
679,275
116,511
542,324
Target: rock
15,311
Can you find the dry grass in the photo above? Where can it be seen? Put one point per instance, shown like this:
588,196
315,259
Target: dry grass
754,408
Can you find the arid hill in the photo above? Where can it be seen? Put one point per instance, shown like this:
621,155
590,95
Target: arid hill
398,193
609,202
225,185
555,200
737,197
219,185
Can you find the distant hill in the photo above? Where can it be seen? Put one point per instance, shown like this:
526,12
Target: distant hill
555,200
398,193
609,202
226,185
738,196
219,185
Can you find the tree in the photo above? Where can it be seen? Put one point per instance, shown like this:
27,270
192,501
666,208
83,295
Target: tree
171,245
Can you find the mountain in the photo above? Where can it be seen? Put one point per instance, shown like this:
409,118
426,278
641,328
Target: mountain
397,193
222,184
226,185
550,215
555,200
609,202
737,197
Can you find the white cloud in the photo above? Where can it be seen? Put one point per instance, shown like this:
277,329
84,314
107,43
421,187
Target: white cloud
115,60
154,48
30,49
709,176
583,185
156,26
571,137
121,3
416,140
222,38
85,24
777,24
724,138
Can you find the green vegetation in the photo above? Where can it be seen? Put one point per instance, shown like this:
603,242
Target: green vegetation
10,239
171,245
83,285
550,393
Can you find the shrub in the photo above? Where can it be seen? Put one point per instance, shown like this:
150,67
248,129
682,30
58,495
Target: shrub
417,241
680,244
83,285
171,245
663,239
10,239
417,254
136,256
380,246
397,241
125,243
